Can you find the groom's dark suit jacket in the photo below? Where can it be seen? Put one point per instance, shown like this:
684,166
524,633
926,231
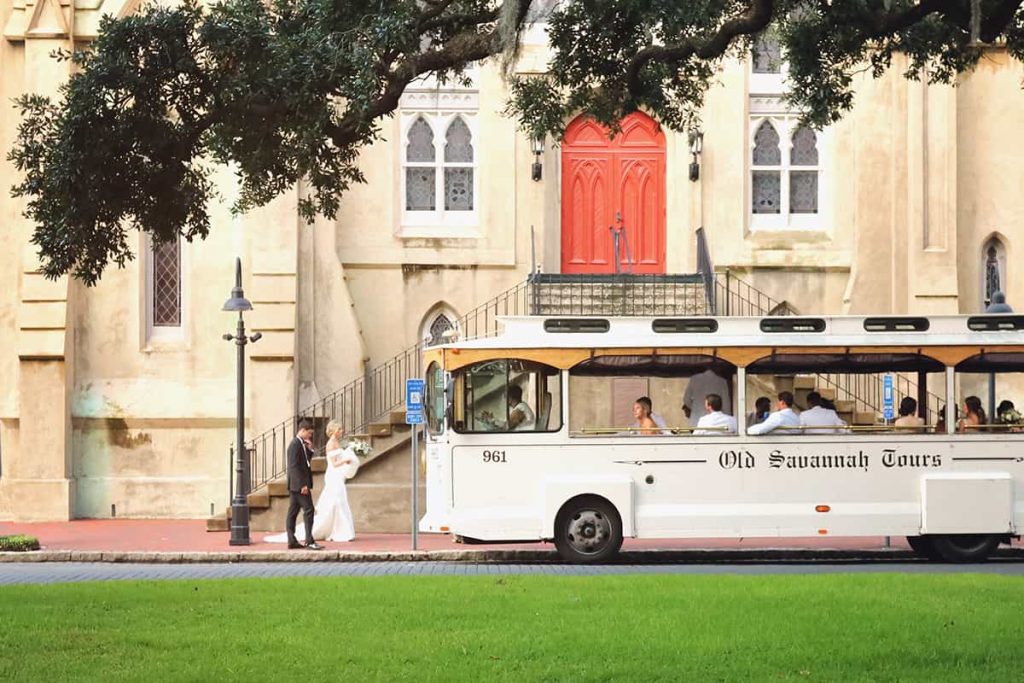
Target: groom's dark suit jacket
299,474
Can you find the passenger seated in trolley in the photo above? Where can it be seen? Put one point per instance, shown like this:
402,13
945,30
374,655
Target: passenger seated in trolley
783,417
714,420
520,415
817,415
974,415
644,424
762,406
909,419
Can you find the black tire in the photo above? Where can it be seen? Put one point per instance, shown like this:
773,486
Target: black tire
588,529
965,547
923,547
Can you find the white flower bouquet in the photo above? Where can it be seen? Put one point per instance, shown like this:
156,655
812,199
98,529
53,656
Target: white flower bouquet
360,448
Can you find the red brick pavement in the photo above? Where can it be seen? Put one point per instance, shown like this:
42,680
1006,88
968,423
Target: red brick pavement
190,535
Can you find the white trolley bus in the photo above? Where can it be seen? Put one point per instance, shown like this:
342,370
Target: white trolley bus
579,473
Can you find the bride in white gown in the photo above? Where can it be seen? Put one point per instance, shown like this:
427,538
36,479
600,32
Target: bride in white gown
333,518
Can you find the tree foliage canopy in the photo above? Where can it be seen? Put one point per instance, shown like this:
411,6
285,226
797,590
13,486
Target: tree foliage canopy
293,89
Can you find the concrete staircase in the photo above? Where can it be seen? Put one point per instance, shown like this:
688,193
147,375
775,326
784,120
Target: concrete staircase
379,494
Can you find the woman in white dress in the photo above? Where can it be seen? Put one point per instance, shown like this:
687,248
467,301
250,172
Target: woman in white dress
333,518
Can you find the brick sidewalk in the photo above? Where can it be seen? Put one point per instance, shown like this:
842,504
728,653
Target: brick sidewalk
190,535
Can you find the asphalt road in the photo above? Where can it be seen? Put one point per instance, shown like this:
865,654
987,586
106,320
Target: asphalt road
60,572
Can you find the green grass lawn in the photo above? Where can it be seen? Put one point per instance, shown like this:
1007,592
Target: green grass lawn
814,628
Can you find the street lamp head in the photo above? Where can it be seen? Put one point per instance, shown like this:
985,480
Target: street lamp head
537,144
237,302
696,140
998,304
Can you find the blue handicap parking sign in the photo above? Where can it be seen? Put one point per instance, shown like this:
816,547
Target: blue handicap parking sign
414,401
887,398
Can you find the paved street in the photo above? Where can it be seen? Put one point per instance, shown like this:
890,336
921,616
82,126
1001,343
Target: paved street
59,572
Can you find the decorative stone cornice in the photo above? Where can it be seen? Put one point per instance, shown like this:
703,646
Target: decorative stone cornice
440,100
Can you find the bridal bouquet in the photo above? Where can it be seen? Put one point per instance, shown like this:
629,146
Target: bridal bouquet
360,448
1011,417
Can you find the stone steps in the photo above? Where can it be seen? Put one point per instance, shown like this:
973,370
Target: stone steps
371,496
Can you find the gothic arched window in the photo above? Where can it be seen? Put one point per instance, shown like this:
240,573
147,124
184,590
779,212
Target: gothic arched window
766,176
458,166
439,165
784,172
993,269
420,173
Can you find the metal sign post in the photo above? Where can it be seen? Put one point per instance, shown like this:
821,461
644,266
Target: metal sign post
414,416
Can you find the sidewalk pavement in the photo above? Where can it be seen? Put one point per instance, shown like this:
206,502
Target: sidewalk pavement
186,540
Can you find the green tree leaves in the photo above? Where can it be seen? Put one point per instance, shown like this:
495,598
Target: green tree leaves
295,89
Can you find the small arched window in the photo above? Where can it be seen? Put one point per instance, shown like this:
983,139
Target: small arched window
439,326
993,269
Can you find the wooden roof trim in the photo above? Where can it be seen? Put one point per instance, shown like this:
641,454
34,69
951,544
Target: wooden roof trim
565,359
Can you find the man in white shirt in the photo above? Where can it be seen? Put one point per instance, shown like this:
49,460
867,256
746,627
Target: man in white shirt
715,422
520,415
818,415
783,417
699,386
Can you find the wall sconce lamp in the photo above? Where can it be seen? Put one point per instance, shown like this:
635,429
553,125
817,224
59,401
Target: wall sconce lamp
537,147
696,147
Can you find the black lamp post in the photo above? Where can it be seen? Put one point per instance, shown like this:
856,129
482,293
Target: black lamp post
998,305
239,504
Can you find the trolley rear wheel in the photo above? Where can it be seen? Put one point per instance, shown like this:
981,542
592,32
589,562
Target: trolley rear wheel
965,547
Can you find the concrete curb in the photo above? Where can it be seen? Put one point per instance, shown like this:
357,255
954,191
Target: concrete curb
695,556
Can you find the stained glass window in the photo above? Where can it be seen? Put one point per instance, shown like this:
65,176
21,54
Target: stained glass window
777,187
767,191
805,148
438,327
803,192
440,179
766,146
766,54
458,189
420,189
420,147
167,284
458,142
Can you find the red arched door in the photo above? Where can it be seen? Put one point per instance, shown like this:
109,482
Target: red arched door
616,183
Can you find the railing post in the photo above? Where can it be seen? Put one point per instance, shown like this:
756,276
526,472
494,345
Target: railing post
367,393
728,292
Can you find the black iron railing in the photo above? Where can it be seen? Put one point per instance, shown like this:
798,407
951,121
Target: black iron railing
618,294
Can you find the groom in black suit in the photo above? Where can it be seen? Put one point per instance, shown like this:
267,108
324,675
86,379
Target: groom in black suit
300,485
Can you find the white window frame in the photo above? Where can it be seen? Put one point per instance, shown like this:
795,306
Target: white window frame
785,125
161,335
769,83
438,104
440,222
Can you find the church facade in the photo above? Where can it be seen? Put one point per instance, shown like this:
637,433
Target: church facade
118,400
